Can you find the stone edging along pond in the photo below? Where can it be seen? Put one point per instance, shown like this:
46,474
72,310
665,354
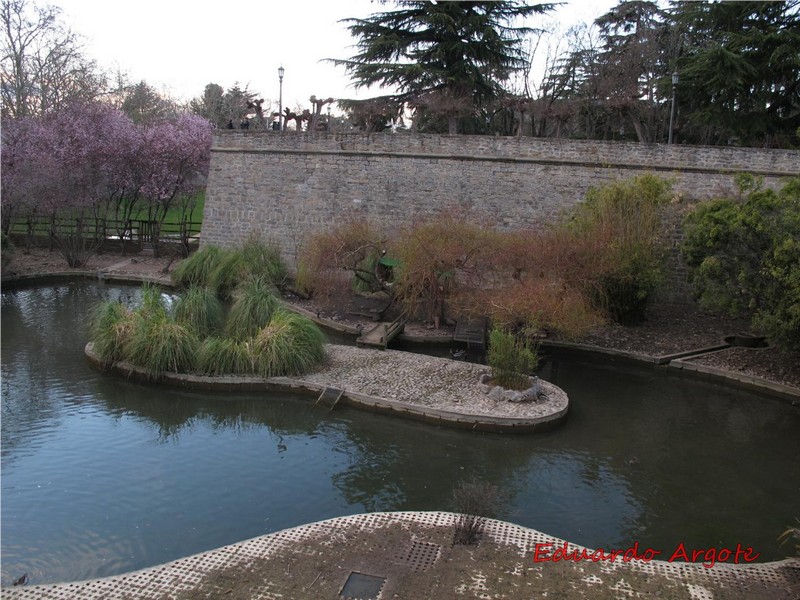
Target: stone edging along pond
758,384
448,418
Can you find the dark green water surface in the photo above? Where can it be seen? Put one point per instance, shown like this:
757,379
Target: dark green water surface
101,475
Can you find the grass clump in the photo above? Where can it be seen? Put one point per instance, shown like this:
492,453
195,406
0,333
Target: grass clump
222,270
260,338
253,307
256,337
199,310
264,260
792,533
511,359
161,345
196,270
110,329
223,356
254,260
230,270
152,306
290,345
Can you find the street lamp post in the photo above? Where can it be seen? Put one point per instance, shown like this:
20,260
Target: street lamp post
672,111
281,71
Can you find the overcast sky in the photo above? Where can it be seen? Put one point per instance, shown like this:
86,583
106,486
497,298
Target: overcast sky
179,46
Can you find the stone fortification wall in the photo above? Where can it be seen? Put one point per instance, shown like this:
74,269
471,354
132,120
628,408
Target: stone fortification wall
286,185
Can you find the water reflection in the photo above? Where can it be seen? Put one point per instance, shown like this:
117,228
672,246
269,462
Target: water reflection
102,475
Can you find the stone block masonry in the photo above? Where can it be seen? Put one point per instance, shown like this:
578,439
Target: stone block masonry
288,185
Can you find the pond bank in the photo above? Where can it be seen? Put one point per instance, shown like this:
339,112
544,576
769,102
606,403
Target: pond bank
435,390
668,328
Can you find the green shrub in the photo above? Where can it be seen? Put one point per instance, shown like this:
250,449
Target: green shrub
199,310
196,270
223,356
511,359
252,309
744,257
110,328
623,293
624,217
290,345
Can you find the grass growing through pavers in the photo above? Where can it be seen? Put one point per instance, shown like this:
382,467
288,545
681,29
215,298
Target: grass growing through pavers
318,567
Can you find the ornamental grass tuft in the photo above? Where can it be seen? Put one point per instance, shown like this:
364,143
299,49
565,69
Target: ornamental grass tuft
199,310
253,307
223,356
197,269
264,260
110,329
161,345
290,345
152,306
230,270
254,260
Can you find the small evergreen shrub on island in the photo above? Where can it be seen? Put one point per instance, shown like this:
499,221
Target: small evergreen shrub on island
512,359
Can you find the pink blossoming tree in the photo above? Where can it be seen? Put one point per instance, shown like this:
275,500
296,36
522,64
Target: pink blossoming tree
88,169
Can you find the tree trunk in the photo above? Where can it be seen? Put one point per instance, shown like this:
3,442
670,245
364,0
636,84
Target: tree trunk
452,125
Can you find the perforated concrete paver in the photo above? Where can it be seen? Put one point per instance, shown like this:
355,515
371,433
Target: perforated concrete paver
169,580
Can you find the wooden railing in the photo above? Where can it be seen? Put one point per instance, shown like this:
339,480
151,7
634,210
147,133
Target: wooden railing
133,235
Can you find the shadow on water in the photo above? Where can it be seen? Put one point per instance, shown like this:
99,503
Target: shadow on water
102,475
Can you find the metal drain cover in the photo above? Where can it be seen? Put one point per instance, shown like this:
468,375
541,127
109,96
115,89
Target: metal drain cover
362,587
421,555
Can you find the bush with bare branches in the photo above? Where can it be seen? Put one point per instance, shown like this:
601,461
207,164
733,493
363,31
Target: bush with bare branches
475,501
437,257
332,259
604,262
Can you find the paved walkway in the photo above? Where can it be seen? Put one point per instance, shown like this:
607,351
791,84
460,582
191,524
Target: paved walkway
411,553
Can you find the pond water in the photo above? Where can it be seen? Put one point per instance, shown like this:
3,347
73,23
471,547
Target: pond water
101,475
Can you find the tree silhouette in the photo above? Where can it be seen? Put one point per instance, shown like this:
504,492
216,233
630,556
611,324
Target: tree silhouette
452,53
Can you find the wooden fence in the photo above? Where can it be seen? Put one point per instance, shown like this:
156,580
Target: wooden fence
131,236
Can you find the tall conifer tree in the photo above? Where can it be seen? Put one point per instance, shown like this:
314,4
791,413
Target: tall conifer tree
454,55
